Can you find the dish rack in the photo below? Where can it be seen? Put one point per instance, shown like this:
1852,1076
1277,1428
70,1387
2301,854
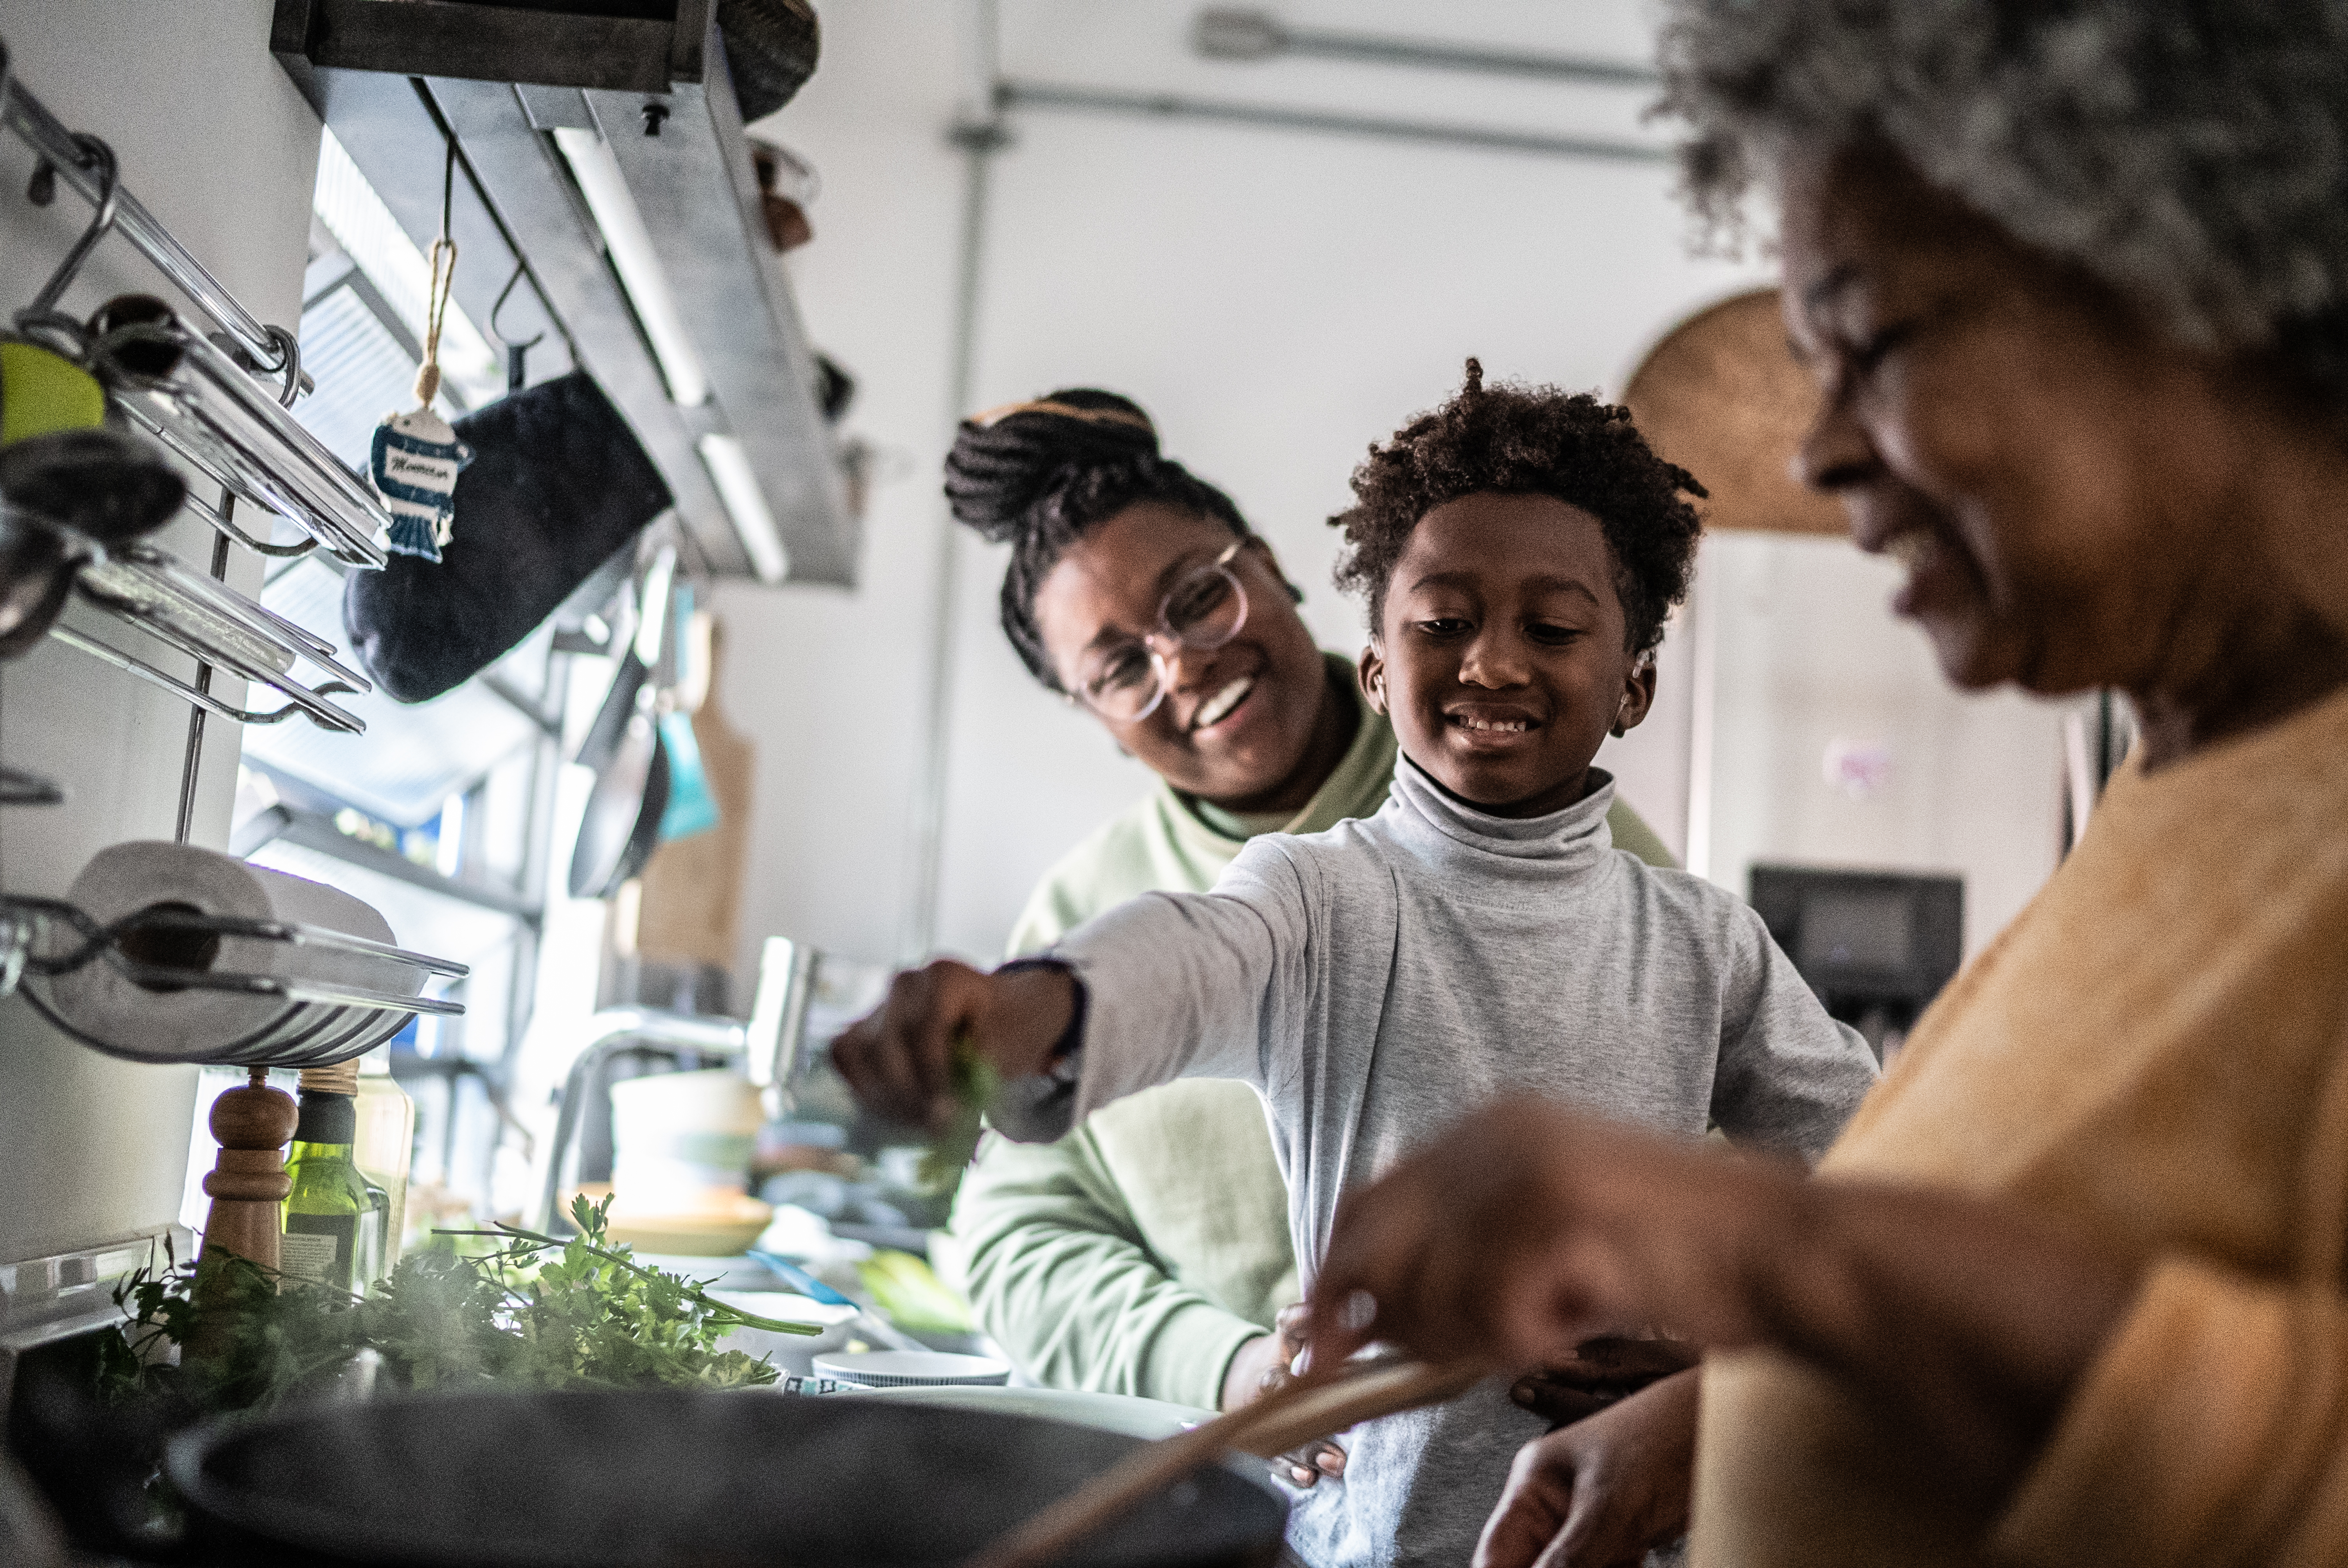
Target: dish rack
219,402
44,939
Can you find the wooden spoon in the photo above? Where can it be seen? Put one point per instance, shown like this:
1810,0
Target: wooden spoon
1317,1405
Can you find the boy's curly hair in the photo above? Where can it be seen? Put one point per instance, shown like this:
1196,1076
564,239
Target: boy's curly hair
1517,440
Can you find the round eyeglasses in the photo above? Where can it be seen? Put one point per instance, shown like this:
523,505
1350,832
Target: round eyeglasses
1125,681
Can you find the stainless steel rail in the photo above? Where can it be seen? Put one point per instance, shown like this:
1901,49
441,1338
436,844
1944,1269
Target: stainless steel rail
211,411
214,625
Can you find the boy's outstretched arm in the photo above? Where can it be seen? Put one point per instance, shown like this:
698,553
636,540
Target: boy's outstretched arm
1182,982
898,1060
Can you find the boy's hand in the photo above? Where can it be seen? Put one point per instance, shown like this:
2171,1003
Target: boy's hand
1602,1492
897,1058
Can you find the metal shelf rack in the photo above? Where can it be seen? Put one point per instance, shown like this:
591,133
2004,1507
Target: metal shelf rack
202,395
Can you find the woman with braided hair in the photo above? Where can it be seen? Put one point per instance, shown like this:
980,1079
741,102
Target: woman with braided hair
1148,1253
2072,1286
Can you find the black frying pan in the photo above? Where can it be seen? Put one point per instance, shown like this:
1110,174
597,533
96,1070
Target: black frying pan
677,1479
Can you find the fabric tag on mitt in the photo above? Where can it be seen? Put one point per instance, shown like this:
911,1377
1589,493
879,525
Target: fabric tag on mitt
414,463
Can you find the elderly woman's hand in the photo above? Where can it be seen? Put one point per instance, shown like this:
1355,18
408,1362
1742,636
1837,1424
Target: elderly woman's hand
1528,1228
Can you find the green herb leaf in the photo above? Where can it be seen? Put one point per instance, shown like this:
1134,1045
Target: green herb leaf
533,1311
974,1082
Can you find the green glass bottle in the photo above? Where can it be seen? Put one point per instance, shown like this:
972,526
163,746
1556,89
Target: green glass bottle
331,1220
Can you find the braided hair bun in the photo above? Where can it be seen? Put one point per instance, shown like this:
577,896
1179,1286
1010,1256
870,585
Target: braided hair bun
1006,461
1038,476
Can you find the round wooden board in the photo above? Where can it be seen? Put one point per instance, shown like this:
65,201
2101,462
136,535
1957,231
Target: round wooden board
1721,396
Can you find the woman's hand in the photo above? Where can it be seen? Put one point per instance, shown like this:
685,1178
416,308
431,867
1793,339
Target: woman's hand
1263,1365
1528,1227
897,1058
1602,1492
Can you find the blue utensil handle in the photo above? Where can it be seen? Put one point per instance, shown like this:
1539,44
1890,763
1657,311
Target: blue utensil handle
800,1280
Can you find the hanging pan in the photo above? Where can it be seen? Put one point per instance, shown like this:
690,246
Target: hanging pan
621,822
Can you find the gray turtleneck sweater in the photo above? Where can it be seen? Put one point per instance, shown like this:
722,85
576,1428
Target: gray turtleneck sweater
1377,980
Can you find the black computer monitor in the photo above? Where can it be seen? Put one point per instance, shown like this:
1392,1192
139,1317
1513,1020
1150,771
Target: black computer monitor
1876,945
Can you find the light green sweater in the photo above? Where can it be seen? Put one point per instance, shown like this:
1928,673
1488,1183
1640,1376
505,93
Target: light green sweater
1139,1252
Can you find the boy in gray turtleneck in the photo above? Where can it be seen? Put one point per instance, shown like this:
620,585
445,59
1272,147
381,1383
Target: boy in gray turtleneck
1480,936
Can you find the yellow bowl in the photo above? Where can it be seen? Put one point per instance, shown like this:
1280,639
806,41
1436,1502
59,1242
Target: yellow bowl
721,1228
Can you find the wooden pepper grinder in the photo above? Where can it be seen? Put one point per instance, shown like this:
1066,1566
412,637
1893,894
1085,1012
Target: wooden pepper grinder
248,1182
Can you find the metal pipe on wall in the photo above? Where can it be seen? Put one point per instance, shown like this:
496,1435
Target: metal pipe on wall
1176,106
1229,32
1704,634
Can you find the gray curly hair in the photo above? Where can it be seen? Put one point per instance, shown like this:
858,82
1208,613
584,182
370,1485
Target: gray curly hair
2193,154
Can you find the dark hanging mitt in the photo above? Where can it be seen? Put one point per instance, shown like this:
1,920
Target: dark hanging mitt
770,51
558,482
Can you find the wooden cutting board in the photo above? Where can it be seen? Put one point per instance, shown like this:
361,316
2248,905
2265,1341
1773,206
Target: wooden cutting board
692,900
1721,397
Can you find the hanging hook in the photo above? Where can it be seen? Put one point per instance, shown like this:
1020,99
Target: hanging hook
289,355
515,375
97,155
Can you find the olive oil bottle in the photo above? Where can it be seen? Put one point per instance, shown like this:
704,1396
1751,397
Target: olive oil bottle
331,1223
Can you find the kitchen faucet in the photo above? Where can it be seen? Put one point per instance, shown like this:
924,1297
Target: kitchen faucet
769,1045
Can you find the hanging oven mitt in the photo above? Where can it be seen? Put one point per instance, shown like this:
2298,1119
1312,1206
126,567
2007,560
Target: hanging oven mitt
557,484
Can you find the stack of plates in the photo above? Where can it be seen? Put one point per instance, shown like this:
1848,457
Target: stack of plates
911,1368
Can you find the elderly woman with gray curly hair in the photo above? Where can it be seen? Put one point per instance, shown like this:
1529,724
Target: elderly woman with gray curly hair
2074,281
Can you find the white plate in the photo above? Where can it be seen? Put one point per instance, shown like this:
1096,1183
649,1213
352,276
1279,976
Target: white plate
898,1368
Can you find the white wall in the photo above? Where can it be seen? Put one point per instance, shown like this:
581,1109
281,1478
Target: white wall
212,138
1277,300
1809,654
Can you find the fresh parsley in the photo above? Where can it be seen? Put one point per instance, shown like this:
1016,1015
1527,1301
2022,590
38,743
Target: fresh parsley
530,1312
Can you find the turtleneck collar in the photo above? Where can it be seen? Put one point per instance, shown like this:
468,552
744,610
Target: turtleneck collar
1563,840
